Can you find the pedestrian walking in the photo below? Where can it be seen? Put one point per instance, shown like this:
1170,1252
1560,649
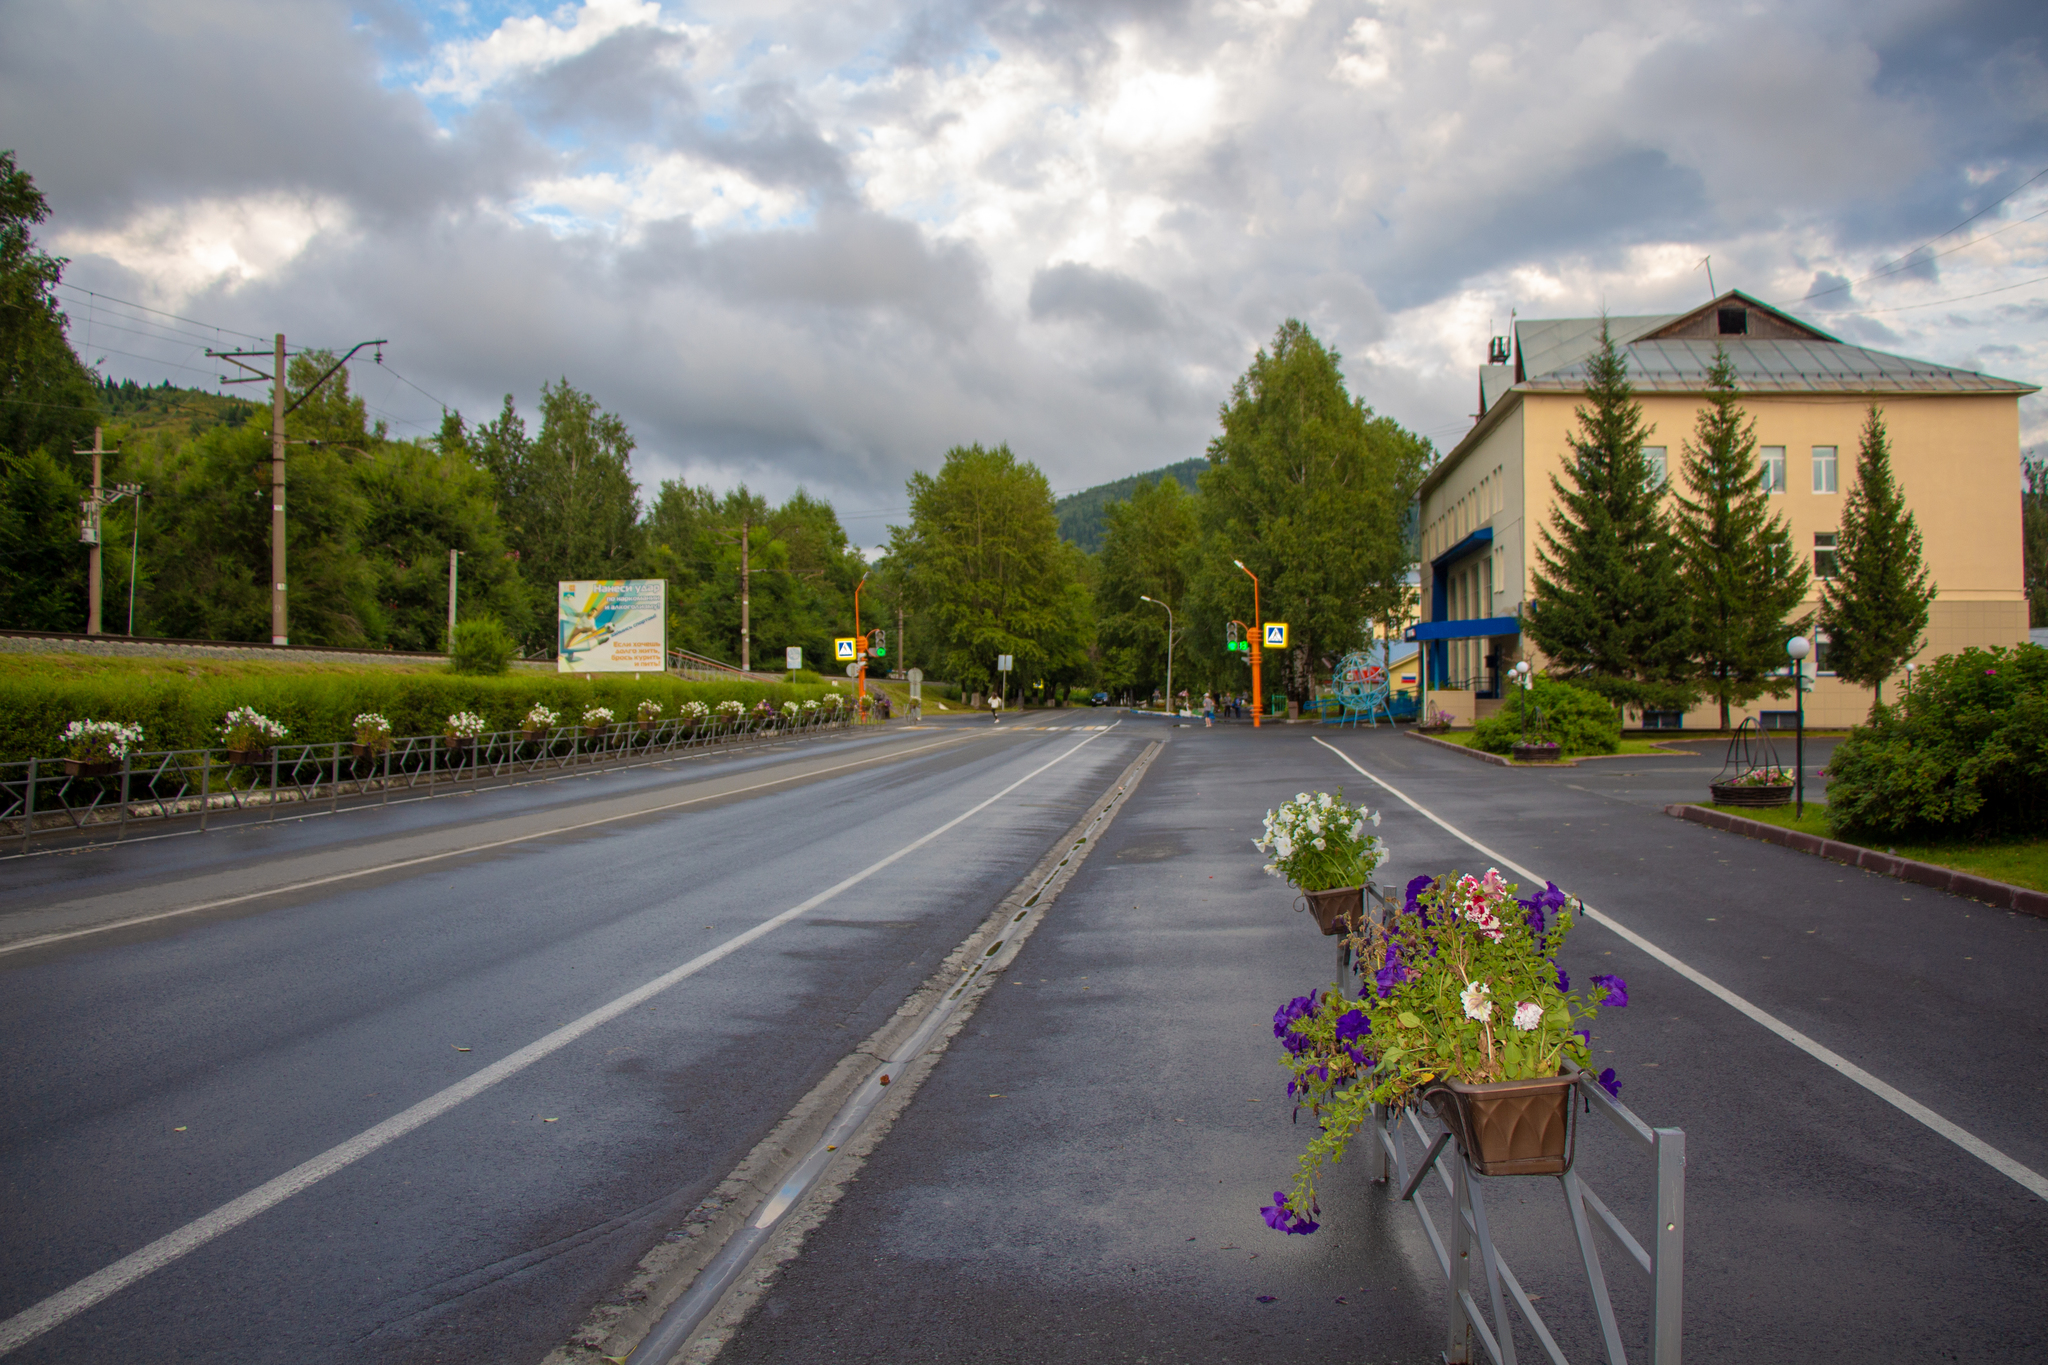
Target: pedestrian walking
995,706
1208,710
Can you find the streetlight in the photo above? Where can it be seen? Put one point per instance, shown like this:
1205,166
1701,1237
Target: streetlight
860,679
1169,648
1911,669
1258,628
1521,676
1799,647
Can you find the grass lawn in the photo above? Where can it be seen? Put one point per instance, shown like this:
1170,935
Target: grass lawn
39,666
2022,862
1629,745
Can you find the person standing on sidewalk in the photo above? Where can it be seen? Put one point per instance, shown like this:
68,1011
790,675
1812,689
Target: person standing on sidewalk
1208,710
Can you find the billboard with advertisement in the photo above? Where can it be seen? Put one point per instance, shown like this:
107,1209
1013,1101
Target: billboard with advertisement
611,625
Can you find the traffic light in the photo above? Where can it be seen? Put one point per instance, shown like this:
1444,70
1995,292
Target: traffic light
881,646
1233,638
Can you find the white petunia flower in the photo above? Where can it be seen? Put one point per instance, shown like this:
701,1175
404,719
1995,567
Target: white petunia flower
1320,845
1528,1015
1476,1002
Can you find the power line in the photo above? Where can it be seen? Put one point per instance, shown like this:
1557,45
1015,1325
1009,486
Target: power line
1906,263
1908,307
409,384
130,303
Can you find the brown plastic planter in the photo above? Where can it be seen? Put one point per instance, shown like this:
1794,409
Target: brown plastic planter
1340,910
1538,753
91,767
249,758
367,750
1509,1127
1729,794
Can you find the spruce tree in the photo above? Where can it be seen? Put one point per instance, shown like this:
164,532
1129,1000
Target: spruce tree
1875,610
1609,609
1742,576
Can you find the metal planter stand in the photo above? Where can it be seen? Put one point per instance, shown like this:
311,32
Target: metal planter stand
1470,1236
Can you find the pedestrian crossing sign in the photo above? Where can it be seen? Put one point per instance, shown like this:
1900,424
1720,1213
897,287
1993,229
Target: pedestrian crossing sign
1276,635
846,649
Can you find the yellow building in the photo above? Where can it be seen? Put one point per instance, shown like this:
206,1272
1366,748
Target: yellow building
1955,451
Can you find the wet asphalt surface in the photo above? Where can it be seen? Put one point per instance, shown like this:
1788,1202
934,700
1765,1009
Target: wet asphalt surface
152,1076
1079,1179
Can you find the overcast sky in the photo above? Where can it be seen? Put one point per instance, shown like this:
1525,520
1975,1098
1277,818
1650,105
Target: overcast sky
820,243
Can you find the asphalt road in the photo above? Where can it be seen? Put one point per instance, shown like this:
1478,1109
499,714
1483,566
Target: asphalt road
1079,1179
154,1073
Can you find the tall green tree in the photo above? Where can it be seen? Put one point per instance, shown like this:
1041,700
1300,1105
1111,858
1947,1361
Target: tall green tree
2034,538
984,561
1309,488
1736,562
1874,610
1609,608
1149,543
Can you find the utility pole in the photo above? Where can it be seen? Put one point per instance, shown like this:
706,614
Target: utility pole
89,532
279,410
453,555
746,605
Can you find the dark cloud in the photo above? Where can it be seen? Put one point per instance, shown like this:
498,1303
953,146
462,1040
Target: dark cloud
1071,291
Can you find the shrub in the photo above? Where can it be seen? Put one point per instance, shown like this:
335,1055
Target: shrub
482,647
1578,721
1965,756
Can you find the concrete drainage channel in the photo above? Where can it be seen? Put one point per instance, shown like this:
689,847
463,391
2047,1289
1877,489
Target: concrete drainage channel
669,1312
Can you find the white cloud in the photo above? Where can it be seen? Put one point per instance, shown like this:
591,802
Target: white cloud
527,43
183,249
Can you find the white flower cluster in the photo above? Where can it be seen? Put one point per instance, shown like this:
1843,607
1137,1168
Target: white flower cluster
540,718
597,715
1316,822
811,705
648,710
465,725
369,723
244,723
833,701
98,740
732,710
790,710
693,710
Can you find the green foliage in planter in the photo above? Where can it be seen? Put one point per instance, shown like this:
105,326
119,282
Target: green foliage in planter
1965,756
482,647
1578,720
182,709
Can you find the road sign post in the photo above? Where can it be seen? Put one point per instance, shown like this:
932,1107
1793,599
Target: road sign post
1003,662
793,657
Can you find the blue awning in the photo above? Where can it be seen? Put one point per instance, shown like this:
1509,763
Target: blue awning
1476,628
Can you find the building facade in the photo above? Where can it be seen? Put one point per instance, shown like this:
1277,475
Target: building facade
1955,451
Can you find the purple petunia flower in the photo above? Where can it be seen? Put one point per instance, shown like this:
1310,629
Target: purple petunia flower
1353,1025
1609,1083
1362,1059
1392,973
1294,1009
1617,990
1564,980
1536,908
1585,1036
1280,1218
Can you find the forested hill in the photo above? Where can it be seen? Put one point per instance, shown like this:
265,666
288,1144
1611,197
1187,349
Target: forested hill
1082,514
143,408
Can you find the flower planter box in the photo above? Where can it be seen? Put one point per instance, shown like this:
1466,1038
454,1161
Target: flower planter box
249,758
1733,794
460,744
532,736
596,732
92,767
370,751
1509,1127
1432,729
1340,910
1538,753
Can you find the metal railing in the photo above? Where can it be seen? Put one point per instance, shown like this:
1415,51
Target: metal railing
43,798
1471,1237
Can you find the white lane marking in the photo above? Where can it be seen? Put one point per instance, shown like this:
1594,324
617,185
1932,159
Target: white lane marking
32,1322
1826,1056
21,945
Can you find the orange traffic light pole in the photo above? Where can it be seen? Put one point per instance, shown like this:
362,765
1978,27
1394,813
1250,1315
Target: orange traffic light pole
860,679
1258,647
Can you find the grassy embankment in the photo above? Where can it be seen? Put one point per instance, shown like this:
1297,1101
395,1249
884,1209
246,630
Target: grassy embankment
179,702
1629,745
2022,862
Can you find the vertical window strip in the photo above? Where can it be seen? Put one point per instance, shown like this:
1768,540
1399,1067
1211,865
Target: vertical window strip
1824,469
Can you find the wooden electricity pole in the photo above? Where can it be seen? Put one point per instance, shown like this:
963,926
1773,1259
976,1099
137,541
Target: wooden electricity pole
89,532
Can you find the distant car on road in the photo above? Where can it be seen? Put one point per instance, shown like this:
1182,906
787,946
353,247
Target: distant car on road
1099,699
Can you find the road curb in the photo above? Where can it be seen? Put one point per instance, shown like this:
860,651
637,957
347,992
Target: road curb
2003,895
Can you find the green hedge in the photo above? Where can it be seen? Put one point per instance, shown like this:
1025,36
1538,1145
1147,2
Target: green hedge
1579,721
1965,757
184,712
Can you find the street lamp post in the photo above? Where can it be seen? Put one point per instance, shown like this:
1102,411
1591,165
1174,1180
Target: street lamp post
1258,646
1169,648
1799,647
1521,675
860,680
1911,669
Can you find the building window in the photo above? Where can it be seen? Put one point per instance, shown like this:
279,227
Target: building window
1654,457
1773,480
1663,720
1778,720
1823,469
1734,322
1825,565
1823,662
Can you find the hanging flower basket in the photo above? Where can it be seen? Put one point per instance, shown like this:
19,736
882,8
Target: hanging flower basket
367,750
1509,1127
1751,793
1340,910
1538,753
249,758
86,767
461,744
